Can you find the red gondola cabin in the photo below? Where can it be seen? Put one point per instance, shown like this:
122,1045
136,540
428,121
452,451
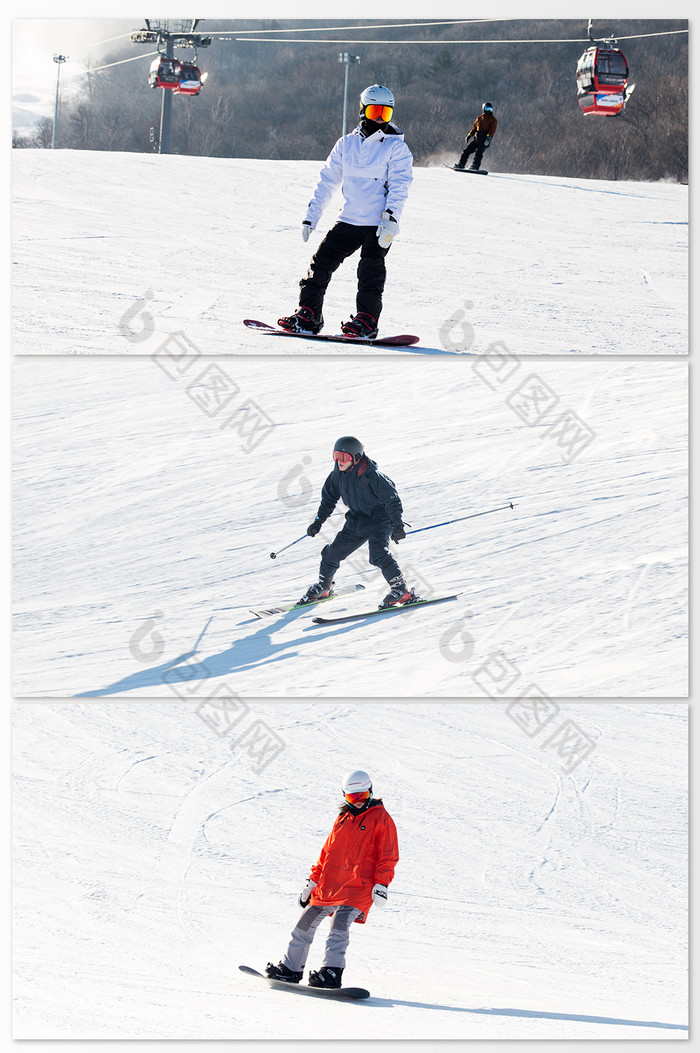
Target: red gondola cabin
601,79
190,79
165,73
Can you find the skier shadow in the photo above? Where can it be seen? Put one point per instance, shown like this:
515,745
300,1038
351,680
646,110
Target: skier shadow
249,652
154,676
529,1014
260,649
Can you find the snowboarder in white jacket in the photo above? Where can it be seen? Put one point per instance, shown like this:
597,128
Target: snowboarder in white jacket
374,167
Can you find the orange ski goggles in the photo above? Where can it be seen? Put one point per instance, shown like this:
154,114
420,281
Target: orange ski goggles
356,799
378,114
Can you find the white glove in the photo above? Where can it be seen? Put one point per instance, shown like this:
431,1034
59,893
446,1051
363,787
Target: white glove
306,229
379,895
305,894
386,229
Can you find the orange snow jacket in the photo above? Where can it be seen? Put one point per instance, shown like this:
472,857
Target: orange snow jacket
360,851
485,123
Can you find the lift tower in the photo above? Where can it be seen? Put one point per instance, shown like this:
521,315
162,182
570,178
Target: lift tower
167,37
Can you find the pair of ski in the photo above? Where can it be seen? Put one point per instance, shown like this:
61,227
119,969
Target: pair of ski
344,590
344,993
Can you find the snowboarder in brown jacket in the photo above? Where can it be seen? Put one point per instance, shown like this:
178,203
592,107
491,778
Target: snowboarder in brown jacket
479,138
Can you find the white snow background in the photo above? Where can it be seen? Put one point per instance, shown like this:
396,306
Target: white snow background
535,264
155,852
147,502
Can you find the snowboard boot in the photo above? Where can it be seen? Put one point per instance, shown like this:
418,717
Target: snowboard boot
361,324
322,590
326,977
281,972
399,594
304,321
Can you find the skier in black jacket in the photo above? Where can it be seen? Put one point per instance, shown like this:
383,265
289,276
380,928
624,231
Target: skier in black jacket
374,515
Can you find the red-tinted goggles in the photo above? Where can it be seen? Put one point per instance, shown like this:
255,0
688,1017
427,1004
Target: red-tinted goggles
379,114
357,798
343,458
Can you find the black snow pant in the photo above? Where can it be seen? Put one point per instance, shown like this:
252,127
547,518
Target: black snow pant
474,146
355,533
340,242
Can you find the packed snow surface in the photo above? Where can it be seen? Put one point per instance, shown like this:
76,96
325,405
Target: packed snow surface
533,264
150,493
538,895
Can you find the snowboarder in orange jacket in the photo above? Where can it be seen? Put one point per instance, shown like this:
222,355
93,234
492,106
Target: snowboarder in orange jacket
354,870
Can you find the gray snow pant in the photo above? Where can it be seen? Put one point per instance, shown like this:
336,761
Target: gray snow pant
336,942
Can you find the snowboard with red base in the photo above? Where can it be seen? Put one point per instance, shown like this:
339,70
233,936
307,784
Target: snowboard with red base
344,993
403,340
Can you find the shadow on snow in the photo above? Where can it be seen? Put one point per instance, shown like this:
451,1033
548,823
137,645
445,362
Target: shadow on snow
530,1014
250,652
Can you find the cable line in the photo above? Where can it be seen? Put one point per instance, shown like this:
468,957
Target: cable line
94,69
82,47
444,43
341,29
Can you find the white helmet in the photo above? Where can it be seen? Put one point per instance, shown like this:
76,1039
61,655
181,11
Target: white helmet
378,95
357,782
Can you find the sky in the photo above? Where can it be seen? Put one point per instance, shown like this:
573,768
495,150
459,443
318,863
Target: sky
36,40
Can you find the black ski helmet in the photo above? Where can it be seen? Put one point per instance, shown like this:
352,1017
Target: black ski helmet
349,444
487,108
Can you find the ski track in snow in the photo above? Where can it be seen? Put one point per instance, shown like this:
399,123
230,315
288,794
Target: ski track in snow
153,856
143,529
532,263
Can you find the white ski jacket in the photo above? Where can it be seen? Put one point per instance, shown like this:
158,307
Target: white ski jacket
375,173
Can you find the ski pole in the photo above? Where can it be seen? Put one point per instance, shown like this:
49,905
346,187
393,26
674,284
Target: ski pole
460,518
274,555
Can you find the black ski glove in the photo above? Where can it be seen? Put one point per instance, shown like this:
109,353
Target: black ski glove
397,531
313,528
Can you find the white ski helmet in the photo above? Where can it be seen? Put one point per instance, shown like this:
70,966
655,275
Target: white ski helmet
377,95
357,782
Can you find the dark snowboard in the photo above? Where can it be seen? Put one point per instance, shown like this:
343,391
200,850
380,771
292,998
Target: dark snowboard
379,341
473,171
343,993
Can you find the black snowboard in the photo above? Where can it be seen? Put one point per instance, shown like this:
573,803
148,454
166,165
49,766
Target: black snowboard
474,171
344,993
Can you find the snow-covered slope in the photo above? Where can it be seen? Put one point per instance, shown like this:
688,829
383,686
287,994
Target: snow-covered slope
147,504
156,850
532,263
